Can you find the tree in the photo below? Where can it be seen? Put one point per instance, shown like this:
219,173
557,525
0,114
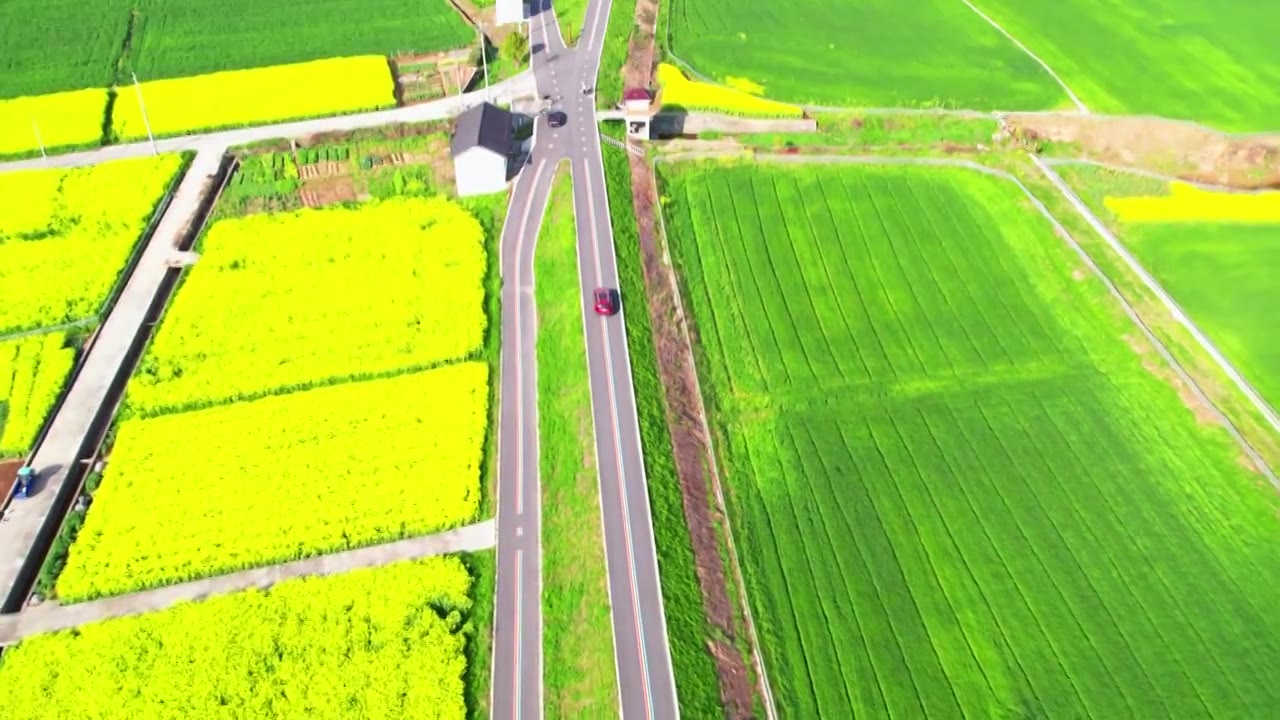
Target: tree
515,47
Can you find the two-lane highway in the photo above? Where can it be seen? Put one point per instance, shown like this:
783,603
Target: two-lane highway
642,655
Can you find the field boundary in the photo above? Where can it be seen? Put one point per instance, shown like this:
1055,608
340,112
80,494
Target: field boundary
1167,300
991,21
766,688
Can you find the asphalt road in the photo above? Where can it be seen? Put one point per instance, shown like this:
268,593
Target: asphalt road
642,655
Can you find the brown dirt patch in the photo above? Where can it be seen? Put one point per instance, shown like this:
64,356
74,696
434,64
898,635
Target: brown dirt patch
8,476
327,191
1177,148
326,169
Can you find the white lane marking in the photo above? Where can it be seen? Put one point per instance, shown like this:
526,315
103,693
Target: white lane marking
524,226
515,690
617,438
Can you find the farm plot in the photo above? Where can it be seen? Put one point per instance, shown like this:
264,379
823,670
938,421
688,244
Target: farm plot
32,372
335,294
282,478
1216,255
176,38
54,121
77,48
331,647
874,53
100,43
957,492
247,97
1215,63
65,236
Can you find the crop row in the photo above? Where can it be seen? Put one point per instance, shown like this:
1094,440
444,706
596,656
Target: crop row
1015,518
764,233
927,52
317,471
388,642
293,300
32,372
65,236
97,43
232,98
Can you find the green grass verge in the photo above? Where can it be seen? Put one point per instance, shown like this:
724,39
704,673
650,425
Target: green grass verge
579,675
958,491
570,14
856,130
696,682
613,57
483,567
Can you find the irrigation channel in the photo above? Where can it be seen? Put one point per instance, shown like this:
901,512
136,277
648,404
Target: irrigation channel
20,590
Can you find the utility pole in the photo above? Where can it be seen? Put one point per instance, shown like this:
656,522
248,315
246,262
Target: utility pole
39,140
484,58
137,87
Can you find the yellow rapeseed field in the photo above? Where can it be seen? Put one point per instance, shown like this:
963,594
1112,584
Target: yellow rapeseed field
32,372
377,643
293,300
62,119
246,97
285,477
1188,203
695,95
69,232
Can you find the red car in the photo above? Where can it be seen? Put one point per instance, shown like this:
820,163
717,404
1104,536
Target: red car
606,301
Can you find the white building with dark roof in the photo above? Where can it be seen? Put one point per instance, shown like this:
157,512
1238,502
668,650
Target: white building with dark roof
481,149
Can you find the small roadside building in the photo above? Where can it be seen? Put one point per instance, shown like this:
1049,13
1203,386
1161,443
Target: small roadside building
507,12
481,149
637,108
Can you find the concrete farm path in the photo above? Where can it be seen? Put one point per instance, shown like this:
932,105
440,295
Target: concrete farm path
502,92
51,617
